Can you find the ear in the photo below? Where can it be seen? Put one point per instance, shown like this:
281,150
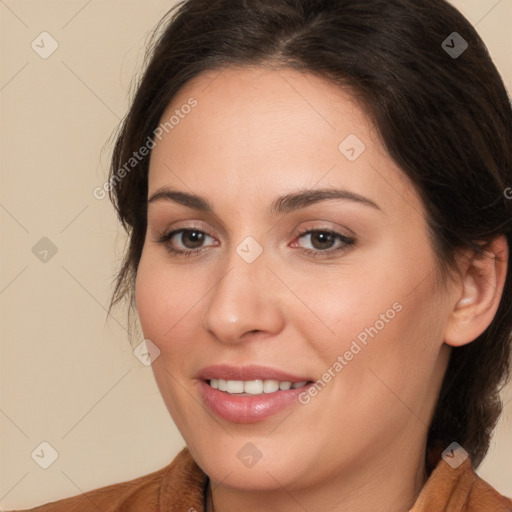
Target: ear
476,299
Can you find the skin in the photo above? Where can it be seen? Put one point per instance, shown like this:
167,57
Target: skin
359,444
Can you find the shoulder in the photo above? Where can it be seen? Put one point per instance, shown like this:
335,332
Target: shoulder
459,489
483,495
141,490
153,491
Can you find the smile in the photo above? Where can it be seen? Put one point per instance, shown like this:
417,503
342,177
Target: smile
249,393
253,387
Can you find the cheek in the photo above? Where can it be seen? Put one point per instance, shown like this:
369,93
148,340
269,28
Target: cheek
399,360
389,322
165,298
148,290
335,308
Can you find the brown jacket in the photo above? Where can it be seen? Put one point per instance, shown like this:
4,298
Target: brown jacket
180,487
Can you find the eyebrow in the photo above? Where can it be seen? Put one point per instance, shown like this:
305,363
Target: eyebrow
283,204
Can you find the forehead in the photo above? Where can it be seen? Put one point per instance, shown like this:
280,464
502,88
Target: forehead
268,106
256,130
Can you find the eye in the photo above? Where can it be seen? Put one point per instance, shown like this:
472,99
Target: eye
190,239
323,241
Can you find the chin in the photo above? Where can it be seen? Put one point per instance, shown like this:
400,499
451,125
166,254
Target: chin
246,463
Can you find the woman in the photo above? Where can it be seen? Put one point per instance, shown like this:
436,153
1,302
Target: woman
316,194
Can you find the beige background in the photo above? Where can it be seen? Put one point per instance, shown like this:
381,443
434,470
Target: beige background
67,377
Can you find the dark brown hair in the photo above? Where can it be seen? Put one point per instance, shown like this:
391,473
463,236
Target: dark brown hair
445,119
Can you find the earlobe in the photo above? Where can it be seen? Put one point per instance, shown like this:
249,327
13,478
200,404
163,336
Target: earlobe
477,298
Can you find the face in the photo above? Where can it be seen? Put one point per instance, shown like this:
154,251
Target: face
297,277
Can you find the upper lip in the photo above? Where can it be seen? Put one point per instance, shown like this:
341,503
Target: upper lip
249,372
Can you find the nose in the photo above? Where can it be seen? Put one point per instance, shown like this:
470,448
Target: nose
245,299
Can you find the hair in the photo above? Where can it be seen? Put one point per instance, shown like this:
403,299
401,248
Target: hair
445,120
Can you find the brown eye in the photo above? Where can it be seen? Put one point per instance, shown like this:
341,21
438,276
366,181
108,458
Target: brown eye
191,239
184,241
322,239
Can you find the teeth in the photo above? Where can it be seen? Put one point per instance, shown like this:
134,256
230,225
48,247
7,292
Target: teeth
235,386
253,387
270,386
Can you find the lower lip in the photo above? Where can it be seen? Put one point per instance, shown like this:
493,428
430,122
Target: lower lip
248,409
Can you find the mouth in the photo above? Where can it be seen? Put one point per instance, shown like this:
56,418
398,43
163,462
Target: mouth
248,394
254,387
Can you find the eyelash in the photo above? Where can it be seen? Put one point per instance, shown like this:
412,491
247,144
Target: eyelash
166,236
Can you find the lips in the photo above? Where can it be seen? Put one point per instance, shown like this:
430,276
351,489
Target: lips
250,372
249,394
